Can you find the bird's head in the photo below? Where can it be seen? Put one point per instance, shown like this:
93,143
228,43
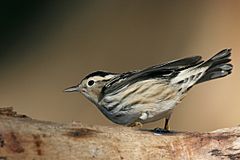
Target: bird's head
91,86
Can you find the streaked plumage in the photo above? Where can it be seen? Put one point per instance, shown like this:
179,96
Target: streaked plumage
150,94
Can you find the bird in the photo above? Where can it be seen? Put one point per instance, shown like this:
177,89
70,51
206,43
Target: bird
142,96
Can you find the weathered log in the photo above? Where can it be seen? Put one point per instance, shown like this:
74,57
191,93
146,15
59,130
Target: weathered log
23,138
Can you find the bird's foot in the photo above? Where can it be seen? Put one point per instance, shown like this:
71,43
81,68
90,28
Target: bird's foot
161,131
137,125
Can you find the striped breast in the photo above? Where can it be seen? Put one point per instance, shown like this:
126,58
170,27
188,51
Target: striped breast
144,96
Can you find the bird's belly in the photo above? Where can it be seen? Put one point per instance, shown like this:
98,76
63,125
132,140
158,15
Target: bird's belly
145,101
120,117
130,114
158,111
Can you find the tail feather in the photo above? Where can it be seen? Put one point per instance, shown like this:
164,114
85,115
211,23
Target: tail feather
218,66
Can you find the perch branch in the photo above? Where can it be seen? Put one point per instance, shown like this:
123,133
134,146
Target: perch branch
23,138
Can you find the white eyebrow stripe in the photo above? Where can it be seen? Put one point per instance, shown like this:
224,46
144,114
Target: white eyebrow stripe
99,78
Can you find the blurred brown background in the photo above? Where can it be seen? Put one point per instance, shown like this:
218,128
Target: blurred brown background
48,46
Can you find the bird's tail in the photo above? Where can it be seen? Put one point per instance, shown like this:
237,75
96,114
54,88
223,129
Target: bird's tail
218,66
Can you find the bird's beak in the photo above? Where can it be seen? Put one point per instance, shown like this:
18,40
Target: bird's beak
72,89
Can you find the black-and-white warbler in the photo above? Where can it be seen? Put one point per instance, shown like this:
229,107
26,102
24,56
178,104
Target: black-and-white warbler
150,94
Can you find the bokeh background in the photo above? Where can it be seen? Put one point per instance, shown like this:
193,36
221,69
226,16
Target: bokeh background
47,46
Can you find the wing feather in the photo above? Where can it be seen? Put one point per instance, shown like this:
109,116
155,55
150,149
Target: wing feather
165,71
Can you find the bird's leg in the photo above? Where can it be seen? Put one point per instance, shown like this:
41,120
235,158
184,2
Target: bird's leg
166,128
136,125
166,125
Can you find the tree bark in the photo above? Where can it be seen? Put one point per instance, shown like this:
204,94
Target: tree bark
23,138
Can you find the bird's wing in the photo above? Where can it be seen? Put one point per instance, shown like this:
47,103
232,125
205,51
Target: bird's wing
179,64
164,71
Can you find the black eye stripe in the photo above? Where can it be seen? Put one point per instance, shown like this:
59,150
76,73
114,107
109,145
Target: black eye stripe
90,83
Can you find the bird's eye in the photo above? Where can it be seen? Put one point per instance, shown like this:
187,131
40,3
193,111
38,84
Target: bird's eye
90,83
